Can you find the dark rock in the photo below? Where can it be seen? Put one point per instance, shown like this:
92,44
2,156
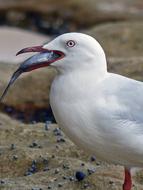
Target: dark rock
60,185
86,185
90,171
71,178
46,169
2,182
66,167
13,146
57,171
47,125
15,157
57,132
61,140
35,145
82,164
80,175
93,158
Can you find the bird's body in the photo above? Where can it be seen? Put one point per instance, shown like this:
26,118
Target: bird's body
106,123
100,111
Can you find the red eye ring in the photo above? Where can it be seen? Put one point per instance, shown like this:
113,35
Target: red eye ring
70,43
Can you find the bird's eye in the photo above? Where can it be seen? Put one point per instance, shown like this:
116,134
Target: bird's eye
70,43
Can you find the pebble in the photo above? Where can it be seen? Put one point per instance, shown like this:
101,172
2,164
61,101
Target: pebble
2,182
82,164
61,140
60,185
28,173
65,166
36,189
53,156
47,125
46,169
32,169
86,185
71,178
57,132
15,157
57,147
93,158
49,187
80,175
111,182
64,177
13,146
34,122
57,171
35,145
45,161
90,171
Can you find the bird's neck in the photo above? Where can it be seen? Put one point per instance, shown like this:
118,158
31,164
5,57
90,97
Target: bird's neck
87,74
79,82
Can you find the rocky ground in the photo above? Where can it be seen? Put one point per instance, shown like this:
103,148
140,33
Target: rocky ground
38,156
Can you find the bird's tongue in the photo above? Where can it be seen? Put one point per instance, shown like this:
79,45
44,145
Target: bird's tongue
42,59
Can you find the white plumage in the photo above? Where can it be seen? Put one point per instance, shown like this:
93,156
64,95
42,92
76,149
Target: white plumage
100,111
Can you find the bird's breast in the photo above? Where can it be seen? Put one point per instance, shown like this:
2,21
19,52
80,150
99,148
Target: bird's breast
88,117
75,112
70,106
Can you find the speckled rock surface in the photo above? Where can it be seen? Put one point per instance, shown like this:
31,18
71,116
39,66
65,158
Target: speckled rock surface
121,39
31,157
80,12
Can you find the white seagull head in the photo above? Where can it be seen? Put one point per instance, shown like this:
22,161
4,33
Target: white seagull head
80,51
68,52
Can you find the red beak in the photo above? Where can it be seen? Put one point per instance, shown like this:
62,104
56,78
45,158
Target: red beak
32,49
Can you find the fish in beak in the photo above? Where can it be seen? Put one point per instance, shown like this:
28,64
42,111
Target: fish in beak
44,58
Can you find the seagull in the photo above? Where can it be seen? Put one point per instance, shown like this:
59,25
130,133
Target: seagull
100,111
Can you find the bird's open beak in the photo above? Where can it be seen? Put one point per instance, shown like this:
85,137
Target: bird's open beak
42,59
